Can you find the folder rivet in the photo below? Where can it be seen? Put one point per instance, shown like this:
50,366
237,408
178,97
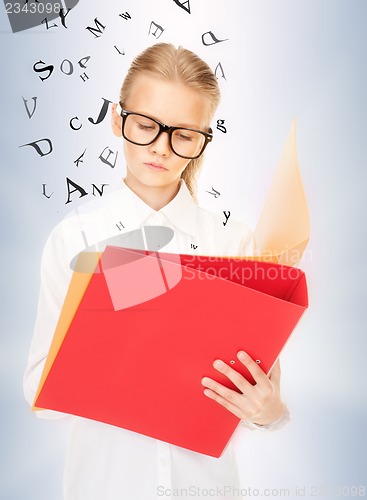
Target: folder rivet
232,361
258,361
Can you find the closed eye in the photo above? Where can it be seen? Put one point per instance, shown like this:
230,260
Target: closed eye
145,127
184,137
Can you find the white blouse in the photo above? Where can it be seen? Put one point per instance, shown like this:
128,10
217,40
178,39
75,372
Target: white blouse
104,461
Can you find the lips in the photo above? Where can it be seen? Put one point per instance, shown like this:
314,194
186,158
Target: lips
157,167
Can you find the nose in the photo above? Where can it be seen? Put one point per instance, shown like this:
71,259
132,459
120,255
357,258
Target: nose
161,146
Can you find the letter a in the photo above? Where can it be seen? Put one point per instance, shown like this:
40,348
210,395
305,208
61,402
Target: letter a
76,188
184,5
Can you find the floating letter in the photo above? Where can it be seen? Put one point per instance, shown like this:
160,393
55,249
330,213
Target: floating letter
105,160
213,37
41,70
100,191
83,60
122,53
76,188
126,16
220,67
26,106
102,113
63,16
220,126
71,67
96,30
44,191
214,192
226,216
158,29
71,123
47,26
80,159
37,147
184,5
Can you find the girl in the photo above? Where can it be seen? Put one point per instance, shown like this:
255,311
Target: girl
166,104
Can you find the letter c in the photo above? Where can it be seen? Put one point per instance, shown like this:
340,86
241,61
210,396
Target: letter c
71,123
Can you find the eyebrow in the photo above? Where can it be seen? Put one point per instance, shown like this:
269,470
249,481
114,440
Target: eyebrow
183,125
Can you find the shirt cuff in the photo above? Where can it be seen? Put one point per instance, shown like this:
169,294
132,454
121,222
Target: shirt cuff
50,414
278,424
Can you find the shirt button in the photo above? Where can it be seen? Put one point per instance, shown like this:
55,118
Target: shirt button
163,461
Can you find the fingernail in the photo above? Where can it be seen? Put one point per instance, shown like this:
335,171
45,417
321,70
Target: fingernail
218,363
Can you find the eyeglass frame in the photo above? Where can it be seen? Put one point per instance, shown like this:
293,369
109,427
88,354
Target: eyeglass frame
208,136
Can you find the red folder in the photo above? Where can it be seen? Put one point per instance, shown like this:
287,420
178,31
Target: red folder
140,367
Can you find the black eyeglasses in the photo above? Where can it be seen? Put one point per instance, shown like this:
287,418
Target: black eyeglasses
143,130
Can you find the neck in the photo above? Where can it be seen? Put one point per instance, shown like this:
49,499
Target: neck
155,197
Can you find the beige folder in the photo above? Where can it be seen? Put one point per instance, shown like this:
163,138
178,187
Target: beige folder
283,228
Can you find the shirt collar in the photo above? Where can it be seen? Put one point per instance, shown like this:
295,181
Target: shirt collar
181,211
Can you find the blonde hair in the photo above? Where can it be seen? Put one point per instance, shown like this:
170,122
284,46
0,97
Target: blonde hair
163,61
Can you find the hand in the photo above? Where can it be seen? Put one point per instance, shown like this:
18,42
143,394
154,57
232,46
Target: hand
259,403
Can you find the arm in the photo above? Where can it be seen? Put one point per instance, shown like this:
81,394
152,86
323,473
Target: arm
284,417
55,278
259,406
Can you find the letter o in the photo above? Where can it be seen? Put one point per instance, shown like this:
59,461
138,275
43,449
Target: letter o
71,67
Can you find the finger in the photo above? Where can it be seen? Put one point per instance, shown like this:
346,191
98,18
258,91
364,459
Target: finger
232,396
258,374
225,403
275,373
239,381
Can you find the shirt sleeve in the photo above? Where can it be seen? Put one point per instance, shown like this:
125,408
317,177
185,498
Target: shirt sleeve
278,424
247,242
55,278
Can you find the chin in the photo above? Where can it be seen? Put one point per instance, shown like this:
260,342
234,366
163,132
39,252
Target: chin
156,180
159,184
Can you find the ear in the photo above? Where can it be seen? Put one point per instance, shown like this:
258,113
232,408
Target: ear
116,121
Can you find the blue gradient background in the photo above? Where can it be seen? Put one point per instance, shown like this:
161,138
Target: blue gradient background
284,58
